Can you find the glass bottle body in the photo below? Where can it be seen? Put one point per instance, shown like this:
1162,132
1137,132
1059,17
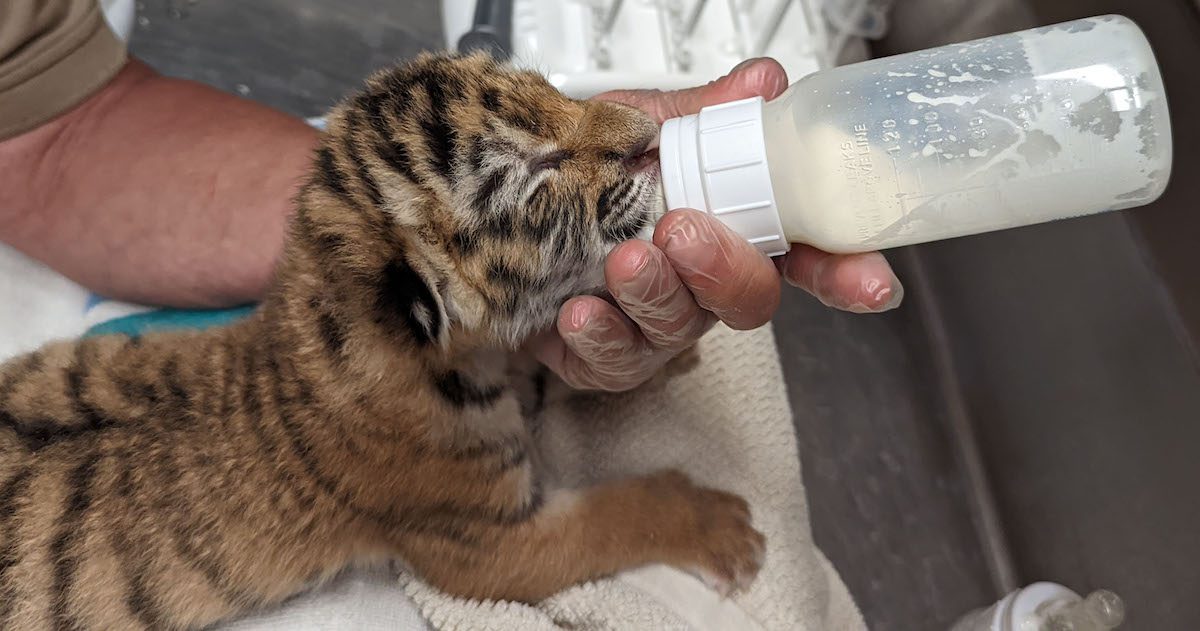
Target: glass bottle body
1006,131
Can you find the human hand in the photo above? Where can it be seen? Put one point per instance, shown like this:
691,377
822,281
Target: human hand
669,292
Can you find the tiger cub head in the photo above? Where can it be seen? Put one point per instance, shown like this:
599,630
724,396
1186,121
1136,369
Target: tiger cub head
481,192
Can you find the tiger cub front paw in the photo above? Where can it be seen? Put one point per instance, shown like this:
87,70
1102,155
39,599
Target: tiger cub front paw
713,539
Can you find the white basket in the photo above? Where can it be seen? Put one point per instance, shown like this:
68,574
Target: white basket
119,14
589,46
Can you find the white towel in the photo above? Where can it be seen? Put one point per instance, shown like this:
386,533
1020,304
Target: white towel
38,304
727,423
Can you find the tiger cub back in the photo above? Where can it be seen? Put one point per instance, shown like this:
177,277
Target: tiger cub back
366,411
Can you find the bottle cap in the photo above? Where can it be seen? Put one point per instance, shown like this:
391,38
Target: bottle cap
716,162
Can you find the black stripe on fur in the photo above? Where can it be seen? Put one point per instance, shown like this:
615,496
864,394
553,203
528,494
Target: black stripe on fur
405,304
462,392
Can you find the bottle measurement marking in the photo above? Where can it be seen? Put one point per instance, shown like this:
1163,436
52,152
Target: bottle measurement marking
861,171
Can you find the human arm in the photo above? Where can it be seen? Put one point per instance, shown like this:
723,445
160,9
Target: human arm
156,190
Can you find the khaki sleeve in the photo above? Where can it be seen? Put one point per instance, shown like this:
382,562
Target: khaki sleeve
53,55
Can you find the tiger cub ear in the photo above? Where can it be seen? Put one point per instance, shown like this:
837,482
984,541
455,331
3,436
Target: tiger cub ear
409,302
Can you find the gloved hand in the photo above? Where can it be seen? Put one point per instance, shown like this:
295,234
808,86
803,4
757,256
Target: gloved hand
670,292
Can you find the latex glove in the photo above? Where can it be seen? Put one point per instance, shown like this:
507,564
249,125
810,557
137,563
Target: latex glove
696,271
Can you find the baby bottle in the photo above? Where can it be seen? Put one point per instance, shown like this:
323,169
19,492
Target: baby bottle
1006,131
1048,607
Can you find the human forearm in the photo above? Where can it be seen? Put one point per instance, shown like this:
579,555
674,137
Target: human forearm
156,190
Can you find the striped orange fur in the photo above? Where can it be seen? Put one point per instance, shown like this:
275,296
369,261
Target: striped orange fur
371,408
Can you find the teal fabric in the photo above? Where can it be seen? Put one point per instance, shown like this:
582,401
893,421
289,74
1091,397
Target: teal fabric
169,320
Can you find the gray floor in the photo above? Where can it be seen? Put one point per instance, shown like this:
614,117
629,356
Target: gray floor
1074,345
299,56
888,501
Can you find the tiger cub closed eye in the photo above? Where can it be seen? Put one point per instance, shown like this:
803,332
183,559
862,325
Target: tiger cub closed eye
366,411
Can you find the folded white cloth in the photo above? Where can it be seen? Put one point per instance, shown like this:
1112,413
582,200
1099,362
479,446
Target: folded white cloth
38,304
726,422
360,601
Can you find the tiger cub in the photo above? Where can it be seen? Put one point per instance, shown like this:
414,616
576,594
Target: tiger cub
365,411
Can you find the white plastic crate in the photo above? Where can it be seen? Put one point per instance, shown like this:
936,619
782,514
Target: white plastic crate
589,46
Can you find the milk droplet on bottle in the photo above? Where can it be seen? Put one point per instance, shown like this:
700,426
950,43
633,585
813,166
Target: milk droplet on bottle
1006,131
